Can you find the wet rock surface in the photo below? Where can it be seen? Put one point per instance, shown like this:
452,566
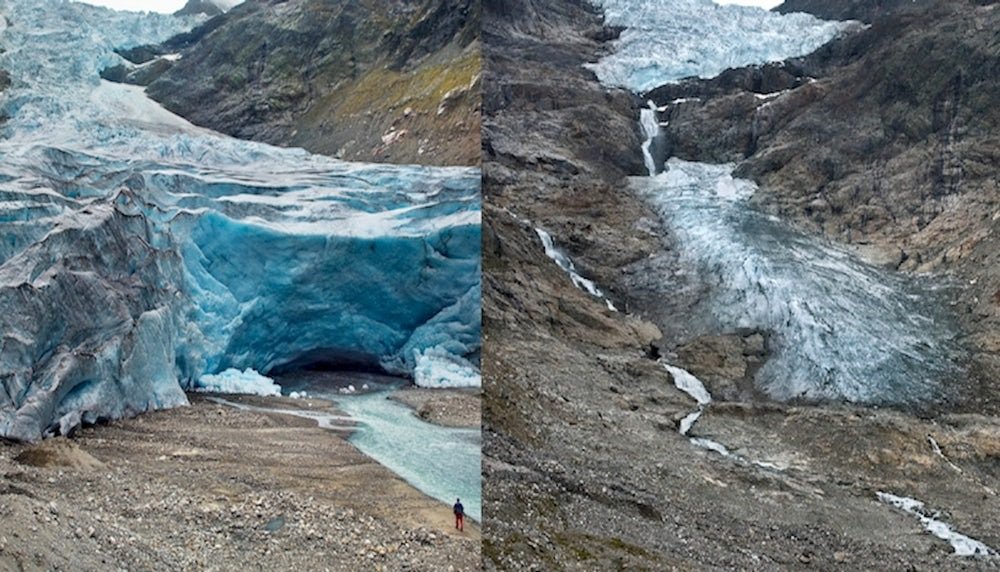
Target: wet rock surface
583,464
213,488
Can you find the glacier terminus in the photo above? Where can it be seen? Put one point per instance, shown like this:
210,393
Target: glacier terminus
139,253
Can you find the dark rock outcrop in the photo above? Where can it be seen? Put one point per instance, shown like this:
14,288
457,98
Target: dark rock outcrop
4,84
325,75
206,7
863,10
138,75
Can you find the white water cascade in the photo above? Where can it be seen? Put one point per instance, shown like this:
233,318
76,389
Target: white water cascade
651,129
566,263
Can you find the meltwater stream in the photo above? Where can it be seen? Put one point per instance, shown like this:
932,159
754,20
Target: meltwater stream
441,462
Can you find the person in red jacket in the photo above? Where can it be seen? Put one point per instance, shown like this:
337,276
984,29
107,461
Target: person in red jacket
459,515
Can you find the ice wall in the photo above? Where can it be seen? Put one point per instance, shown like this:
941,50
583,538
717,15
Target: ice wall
139,253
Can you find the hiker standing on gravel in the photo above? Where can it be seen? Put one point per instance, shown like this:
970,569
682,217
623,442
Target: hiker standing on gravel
459,515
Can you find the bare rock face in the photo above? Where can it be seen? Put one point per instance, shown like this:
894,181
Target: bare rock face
863,10
726,363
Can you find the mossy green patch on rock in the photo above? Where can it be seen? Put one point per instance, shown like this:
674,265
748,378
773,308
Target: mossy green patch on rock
429,114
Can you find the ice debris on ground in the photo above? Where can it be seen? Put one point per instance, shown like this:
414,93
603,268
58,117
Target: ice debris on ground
139,253
669,40
436,368
233,380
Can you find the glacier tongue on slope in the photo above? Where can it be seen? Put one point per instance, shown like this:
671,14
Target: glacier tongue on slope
841,329
668,40
139,252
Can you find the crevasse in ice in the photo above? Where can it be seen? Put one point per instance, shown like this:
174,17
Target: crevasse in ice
668,40
139,253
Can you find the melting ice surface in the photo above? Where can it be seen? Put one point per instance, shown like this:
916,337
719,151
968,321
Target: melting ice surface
139,253
842,329
668,40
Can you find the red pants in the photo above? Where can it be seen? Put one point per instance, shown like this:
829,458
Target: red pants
459,522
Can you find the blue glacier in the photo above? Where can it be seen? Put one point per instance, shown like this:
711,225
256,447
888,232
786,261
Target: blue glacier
139,253
668,40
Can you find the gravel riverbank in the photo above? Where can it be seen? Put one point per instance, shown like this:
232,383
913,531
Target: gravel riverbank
209,487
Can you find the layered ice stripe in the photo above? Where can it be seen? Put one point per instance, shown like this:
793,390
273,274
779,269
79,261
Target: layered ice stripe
140,254
668,40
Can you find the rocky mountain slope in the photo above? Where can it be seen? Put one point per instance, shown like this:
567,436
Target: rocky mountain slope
327,76
862,10
584,467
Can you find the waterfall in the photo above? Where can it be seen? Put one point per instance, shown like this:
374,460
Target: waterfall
651,129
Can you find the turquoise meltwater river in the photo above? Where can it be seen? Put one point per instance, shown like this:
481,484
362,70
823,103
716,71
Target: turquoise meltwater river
441,462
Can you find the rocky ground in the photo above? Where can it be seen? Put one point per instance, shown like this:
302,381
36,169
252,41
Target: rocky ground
209,487
584,467
447,407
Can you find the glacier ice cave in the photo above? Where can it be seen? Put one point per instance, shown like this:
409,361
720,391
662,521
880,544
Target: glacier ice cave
139,252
